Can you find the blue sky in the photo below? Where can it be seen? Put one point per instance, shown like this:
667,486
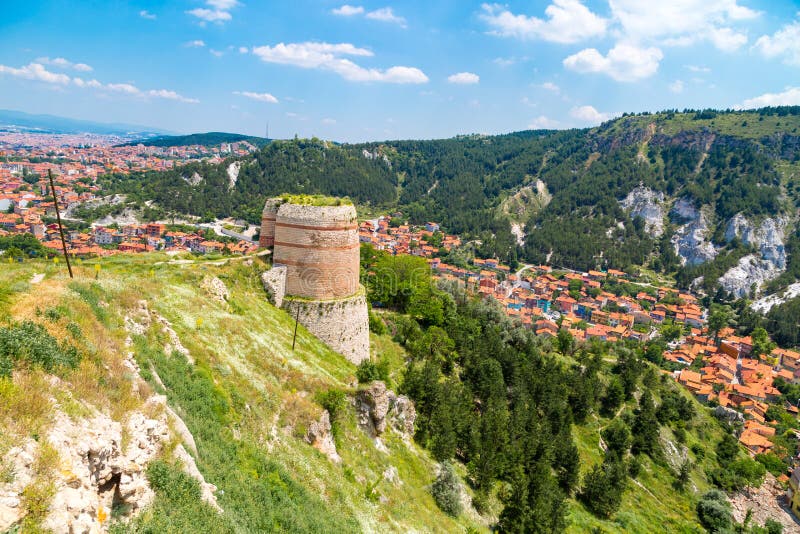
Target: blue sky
385,70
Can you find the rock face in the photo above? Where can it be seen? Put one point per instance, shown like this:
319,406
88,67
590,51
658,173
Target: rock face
95,471
233,174
649,205
320,437
691,239
764,305
378,407
768,237
749,273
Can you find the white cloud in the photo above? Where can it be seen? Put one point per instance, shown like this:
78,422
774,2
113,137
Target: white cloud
589,115
568,21
386,14
197,43
698,68
327,56
789,97
677,86
243,50
784,43
219,11
216,53
122,88
543,123
683,22
504,61
328,121
261,97
464,78
170,95
36,72
348,10
623,63
550,86
62,63
146,15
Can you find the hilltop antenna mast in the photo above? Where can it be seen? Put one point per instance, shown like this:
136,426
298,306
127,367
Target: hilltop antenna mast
58,217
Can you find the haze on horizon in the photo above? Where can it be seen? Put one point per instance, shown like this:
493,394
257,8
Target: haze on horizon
375,70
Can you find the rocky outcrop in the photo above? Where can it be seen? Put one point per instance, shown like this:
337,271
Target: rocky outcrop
748,274
95,471
377,406
233,174
320,436
765,304
691,239
274,282
768,237
215,288
765,502
649,205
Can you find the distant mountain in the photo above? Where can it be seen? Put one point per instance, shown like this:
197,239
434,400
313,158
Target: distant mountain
21,121
205,139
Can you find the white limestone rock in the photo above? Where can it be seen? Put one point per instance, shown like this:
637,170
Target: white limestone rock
649,205
750,271
691,239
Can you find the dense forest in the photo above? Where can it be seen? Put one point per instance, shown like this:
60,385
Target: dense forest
723,162
205,139
507,404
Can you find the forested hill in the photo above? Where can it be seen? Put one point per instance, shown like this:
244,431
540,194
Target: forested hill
204,139
703,182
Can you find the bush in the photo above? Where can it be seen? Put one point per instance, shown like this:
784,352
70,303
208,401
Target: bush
376,324
333,400
446,490
30,343
714,511
368,371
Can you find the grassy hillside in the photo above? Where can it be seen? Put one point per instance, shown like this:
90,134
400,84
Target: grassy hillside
247,400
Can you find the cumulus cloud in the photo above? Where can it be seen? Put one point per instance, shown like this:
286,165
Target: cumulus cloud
243,50
328,121
348,10
589,115
386,14
197,43
327,56
550,86
568,21
677,86
684,22
217,11
146,15
170,95
261,97
216,53
789,97
624,62
464,78
784,43
698,68
543,123
36,72
62,63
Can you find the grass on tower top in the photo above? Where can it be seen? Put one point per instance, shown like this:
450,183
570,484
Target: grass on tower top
317,200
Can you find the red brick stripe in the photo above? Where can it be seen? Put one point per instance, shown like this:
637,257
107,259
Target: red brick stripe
318,247
323,228
298,263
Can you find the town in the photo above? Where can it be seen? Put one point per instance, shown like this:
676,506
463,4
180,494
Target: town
719,368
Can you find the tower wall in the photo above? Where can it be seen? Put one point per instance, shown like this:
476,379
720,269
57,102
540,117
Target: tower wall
320,247
267,236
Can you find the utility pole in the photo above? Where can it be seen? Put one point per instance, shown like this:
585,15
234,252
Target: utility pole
296,322
58,217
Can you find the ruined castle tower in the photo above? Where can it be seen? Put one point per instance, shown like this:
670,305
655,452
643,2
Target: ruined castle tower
316,266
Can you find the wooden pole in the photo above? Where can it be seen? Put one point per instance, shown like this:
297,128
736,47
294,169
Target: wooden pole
296,322
58,217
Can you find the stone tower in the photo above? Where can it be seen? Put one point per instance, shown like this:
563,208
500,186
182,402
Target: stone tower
316,262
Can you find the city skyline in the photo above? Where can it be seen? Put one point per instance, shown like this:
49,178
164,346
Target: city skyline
372,70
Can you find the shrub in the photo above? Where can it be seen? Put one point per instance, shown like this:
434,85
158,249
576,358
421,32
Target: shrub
714,511
368,371
31,343
333,400
446,490
376,324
